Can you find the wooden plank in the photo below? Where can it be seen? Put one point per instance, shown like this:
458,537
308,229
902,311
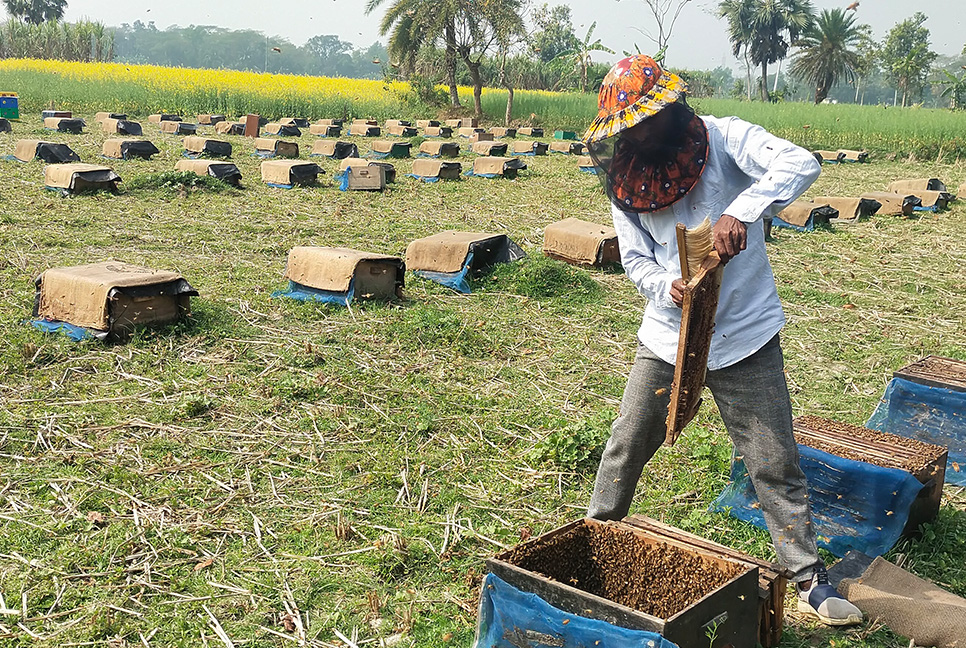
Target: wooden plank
694,344
936,371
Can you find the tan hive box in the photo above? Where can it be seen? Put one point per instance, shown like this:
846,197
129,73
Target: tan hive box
224,171
481,136
364,130
210,120
803,214
178,128
937,199
448,251
567,148
494,149
387,148
428,168
64,124
402,131
283,130
206,146
529,147
390,123
365,121
101,116
498,166
916,185
333,149
124,149
454,123
893,204
427,123
80,177
503,131
530,131
121,126
267,146
229,128
287,173
365,178
325,130
329,122
157,118
440,149
341,270
438,131
850,209
829,156
580,242
585,162
27,149
468,131
388,170
112,296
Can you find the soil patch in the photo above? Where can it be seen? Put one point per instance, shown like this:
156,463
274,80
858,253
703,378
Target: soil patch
651,577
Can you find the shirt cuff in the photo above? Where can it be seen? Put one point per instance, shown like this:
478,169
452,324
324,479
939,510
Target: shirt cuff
663,293
749,206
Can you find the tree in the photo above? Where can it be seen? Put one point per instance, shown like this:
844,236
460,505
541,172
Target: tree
581,54
480,26
868,60
553,32
738,14
665,14
906,56
36,11
955,89
828,53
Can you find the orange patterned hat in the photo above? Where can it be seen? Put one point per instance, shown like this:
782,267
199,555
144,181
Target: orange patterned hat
635,88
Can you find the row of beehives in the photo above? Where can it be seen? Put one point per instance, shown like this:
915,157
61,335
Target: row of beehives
109,299
901,198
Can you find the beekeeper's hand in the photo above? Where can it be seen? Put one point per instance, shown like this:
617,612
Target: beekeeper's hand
677,292
730,237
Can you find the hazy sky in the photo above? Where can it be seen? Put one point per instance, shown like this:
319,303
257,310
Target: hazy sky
698,41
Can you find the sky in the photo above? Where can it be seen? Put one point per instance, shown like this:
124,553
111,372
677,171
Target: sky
698,39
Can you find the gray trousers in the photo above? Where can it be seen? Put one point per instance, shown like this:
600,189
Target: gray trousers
753,400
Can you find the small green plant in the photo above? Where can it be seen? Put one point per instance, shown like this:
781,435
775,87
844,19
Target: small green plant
177,180
578,445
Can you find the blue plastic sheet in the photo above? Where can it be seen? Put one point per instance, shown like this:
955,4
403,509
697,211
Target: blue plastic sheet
76,333
423,178
808,227
931,414
510,618
304,293
855,505
456,280
590,170
279,186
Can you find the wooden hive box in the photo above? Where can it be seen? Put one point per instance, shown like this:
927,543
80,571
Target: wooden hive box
425,168
325,130
494,166
64,125
503,131
893,204
27,149
365,121
392,123
633,576
229,128
224,171
336,150
329,122
567,148
299,122
365,178
579,242
387,148
804,216
438,131
829,157
586,163
288,173
402,131
936,371
388,170
924,461
101,116
854,156
530,131
364,130
468,131
427,123
44,114
124,149
157,118
850,210
481,136
77,177
112,297
454,123
440,149
529,147
210,120
206,146
121,126
283,130
451,252
346,272
178,128
494,149
270,147
916,185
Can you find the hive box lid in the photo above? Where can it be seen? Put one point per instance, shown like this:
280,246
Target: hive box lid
195,144
427,123
444,252
26,149
157,118
829,156
332,148
79,294
799,212
329,122
468,131
176,127
278,147
454,123
850,209
490,148
585,161
66,176
288,171
400,130
893,204
101,116
390,147
226,171
438,131
355,162
530,131
445,149
578,241
334,268
854,156
325,130
364,130
571,148
428,168
366,178
525,146
503,131
916,185
487,165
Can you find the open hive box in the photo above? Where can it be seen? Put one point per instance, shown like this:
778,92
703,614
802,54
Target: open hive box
634,576
936,371
924,461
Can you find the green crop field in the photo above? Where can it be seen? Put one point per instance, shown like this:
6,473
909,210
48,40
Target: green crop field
272,472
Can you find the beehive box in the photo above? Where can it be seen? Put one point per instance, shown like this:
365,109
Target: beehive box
924,461
9,105
481,136
438,131
454,123
288,173
364,130
121,126
111,296
44,114
564,135
580,242
804,216
210,120
269,147
325,130
503,131
440,149
388,170
206,146
893,204
365,121
335,150
402,131
586,164
427,123
936,371
229,128
392,123
494,149
123,149
346,272
329,122
101,116
387,148
300,122
52,152
915,185
425,168
530,131
850,210
854,156
489,166
365,178
283,130
452,252
635,577
178,128
224,171
78,177
529,147
468,131
157,118
567,148
829,157
64,125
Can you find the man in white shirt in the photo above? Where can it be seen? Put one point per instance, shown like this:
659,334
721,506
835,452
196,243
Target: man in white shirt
661,165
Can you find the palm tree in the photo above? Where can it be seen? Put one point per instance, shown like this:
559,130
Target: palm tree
581,54
828,52
36,11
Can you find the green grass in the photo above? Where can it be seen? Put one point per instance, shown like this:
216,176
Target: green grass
355,467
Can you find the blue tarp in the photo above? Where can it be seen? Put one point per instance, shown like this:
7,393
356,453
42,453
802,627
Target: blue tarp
76,333
855,505
510,618
303,293
456,280
931,414
808,227
424,178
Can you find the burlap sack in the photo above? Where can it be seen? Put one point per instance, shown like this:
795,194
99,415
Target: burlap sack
909,605
443,252
916,185
333,269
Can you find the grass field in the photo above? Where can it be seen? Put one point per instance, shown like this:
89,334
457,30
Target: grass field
270,470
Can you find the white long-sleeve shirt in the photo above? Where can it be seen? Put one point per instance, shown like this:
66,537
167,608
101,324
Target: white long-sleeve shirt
749,173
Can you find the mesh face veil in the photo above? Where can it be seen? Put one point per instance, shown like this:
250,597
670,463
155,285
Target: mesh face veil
640,176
